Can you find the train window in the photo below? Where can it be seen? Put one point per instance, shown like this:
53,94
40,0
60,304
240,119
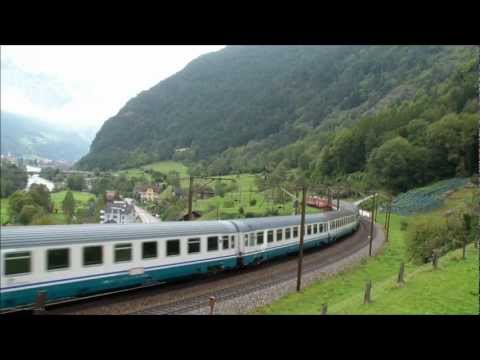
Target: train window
279,234
58,259
252,239
92,255
288,233
232,241
173,247
225,242
212,243
315,229
295,232
17,263
309,230
150,250
270,236
246,239
260,238
194,245
123,252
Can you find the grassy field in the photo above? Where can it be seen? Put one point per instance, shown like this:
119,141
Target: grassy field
4,211
161,166
247,191
81,199
451,286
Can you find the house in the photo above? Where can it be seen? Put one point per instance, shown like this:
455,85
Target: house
147,192
111,196
118,212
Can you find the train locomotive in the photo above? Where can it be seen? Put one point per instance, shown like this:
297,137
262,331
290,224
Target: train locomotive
71,261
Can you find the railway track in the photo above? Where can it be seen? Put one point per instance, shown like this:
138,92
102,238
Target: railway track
187,296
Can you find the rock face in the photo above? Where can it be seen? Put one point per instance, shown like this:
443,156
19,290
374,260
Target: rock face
266,95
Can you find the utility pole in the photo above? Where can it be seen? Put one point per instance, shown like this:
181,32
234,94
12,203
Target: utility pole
190,197
302,235
296,202
372,214
388,219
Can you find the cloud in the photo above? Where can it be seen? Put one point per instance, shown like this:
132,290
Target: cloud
82,86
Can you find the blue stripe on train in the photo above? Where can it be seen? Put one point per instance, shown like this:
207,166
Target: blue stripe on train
25,297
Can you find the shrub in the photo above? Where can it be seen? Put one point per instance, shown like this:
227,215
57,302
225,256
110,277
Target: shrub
253,202
250,215
240,210
28,213
403,225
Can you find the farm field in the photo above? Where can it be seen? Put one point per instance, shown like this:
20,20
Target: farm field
344,293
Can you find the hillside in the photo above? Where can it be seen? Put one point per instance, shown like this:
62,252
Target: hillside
25,137
451,289
246,107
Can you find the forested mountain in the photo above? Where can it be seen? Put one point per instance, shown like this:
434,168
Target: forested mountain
23,136
245,108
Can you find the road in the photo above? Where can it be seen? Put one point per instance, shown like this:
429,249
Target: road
145,216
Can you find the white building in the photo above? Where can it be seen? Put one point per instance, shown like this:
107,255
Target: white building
118,212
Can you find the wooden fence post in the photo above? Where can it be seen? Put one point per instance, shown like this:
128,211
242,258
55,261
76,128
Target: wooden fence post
211,303
400,274
435,259
368,290
324,309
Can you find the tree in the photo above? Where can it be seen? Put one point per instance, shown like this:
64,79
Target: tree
76,182
68,205
398,165
13,179
28,213
16,203
41,196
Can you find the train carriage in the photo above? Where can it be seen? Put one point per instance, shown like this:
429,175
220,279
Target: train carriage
68,261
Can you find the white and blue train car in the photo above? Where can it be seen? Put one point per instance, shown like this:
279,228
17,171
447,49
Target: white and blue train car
68,261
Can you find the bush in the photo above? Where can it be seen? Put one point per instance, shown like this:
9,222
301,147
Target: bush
403,225
424,236
28,213
250,215
241,211
253,202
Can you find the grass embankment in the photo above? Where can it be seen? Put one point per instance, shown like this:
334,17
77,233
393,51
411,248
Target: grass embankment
451,289
81,200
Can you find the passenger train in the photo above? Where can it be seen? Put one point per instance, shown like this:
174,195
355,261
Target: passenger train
70,261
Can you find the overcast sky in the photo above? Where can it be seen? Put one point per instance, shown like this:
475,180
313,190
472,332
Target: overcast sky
82,86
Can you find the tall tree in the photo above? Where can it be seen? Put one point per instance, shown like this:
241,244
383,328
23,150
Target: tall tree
68,205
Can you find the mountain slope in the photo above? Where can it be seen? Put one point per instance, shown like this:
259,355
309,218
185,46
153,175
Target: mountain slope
266,97
26,137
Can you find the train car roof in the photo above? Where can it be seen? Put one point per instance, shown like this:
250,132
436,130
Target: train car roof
53,235
39,235
253,224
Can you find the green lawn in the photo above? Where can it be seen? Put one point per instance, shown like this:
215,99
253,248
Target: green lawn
344,292
81,199
4,217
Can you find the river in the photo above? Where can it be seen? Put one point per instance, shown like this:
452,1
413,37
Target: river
36,179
